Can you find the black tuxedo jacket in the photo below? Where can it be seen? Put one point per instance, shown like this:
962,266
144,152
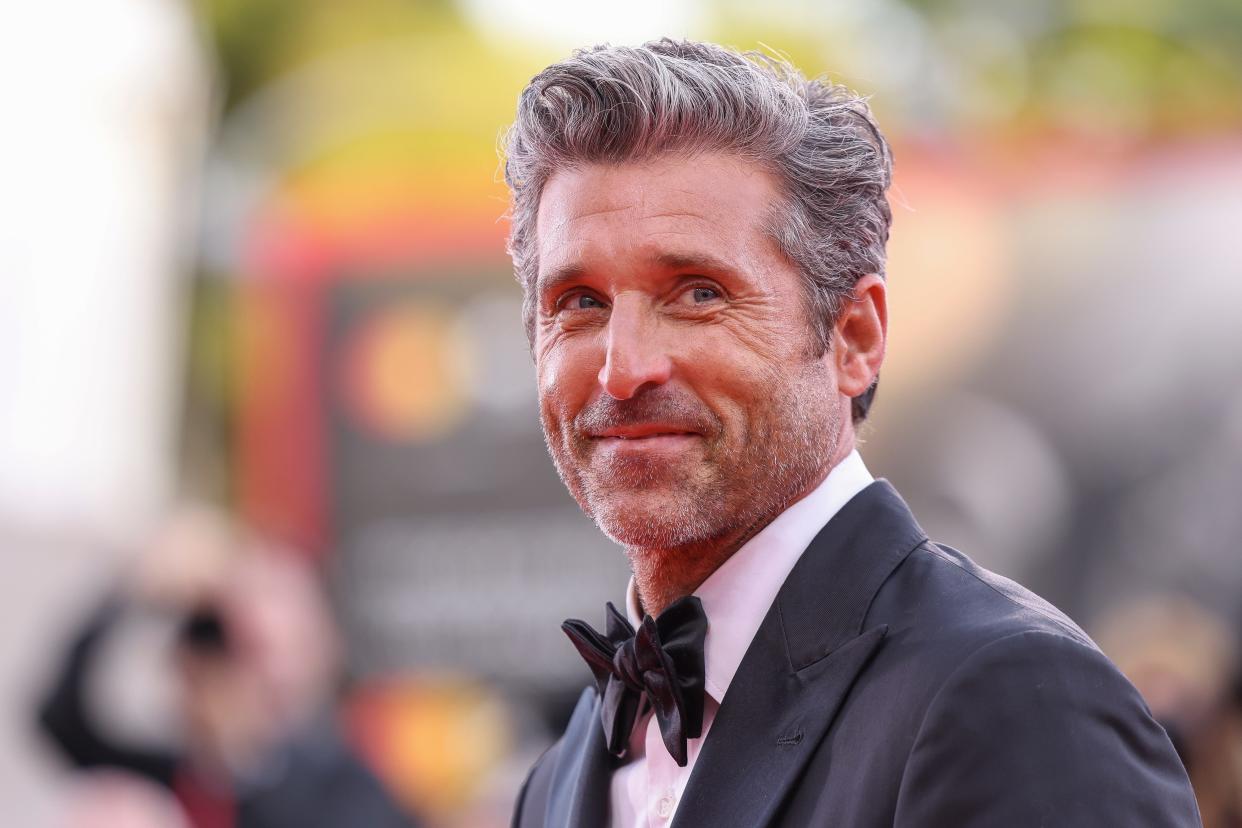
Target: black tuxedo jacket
895,683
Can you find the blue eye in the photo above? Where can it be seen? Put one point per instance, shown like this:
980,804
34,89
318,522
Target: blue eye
584,301
704,294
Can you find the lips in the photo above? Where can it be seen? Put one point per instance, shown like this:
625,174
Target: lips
643,431
660,416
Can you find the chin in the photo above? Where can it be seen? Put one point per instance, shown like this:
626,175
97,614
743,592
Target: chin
648,520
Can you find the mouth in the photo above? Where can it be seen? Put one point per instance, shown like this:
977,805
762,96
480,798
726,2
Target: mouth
647,431
648,442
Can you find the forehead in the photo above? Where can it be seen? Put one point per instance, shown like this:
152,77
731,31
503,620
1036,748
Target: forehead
707,203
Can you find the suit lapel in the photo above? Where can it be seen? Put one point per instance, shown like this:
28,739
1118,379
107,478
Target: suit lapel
800,666
579,795
764,735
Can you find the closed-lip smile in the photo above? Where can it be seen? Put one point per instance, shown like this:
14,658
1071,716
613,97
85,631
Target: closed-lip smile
643,431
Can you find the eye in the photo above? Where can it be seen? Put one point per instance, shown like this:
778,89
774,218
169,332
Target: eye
580,300
698,295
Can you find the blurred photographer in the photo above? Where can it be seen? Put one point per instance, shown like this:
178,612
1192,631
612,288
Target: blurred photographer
254,655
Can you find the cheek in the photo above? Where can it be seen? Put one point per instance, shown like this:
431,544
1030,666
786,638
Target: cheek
566,378
741,398
741,383
730,371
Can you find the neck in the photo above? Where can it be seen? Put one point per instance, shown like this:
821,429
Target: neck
662,575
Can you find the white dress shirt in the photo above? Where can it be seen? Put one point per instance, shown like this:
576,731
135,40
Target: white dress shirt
646,790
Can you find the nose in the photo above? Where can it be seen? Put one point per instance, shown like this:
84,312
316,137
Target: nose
635,355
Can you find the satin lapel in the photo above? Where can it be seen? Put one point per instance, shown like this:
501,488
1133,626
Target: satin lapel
800,666
763,737
579,796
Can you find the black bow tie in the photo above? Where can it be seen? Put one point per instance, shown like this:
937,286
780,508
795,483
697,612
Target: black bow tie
664,660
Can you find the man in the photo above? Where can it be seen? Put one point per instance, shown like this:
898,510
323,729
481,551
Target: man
700,237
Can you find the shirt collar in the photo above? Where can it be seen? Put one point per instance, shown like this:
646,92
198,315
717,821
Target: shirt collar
737,596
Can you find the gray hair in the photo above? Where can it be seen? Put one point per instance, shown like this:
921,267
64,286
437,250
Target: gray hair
613,104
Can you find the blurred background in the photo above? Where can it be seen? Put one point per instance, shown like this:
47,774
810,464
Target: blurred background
264,389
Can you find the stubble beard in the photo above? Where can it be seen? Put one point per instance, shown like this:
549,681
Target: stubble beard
661,511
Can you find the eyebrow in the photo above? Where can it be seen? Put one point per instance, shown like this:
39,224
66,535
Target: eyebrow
704,262
693,261
558,276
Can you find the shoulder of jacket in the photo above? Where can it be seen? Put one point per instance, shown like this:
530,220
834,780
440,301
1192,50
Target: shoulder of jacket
992,605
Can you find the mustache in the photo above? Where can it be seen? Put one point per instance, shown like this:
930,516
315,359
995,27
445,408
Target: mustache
679,410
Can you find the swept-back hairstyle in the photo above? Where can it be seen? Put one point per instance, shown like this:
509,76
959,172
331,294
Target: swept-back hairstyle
612,104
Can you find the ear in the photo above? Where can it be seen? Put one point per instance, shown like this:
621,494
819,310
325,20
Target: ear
858,337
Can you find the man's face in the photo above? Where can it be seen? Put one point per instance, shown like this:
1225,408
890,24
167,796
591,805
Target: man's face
682,395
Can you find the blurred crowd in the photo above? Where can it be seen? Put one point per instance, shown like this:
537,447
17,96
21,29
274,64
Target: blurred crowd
1186,662
252,657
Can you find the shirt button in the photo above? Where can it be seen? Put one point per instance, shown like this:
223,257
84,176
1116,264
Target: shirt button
665,806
